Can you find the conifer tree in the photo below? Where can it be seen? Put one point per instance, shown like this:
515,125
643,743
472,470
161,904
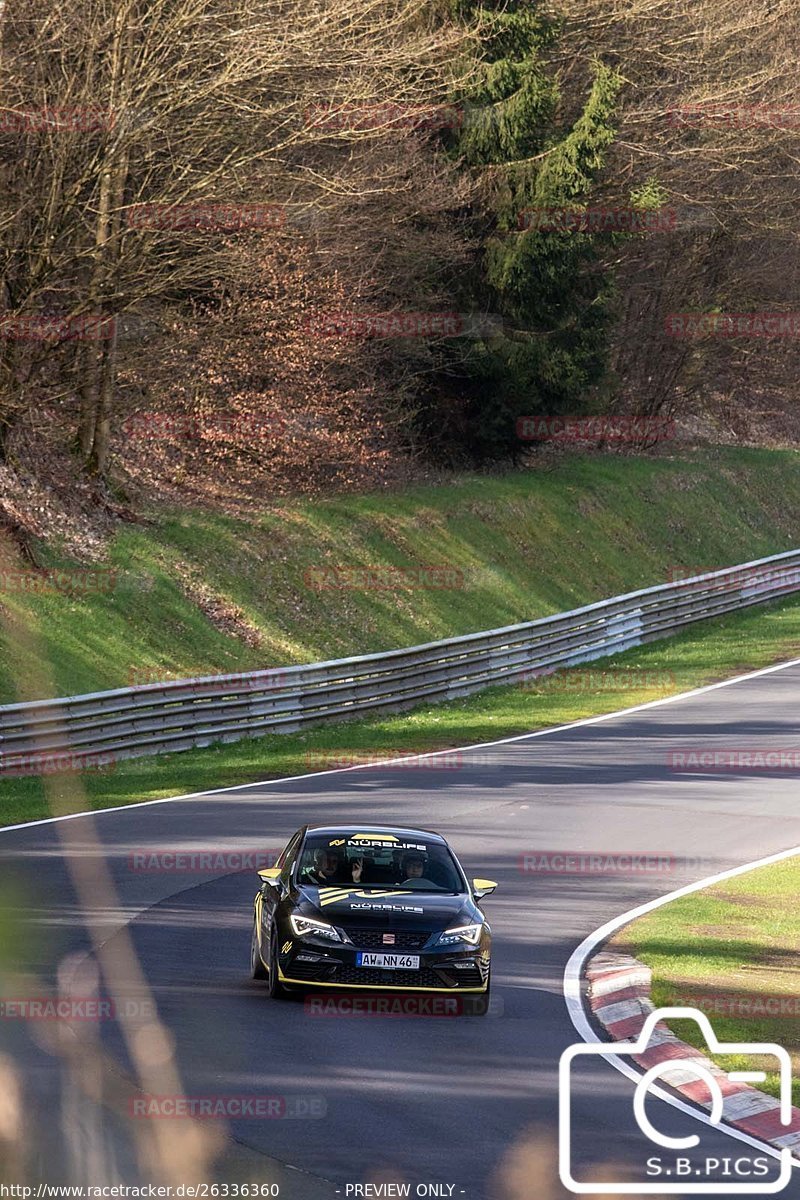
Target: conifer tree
548,285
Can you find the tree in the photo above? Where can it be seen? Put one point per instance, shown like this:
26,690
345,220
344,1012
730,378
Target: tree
710,115
115,108
547,286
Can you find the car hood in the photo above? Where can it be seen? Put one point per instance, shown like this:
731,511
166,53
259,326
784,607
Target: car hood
401,909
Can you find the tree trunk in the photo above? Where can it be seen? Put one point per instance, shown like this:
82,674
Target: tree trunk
100,360
88,394
13,376
98,457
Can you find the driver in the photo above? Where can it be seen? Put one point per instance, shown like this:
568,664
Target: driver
327,867
413,868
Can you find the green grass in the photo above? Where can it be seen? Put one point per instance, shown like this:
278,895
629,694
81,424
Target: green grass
528,543
710,651
728,950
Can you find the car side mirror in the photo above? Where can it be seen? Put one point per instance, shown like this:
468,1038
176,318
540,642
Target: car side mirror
270,876
483,887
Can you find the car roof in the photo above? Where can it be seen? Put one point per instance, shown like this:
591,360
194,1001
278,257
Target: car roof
402,830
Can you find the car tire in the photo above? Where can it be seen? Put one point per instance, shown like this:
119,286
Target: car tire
276,989
257,968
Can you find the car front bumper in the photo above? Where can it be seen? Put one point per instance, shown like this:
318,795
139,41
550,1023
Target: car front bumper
308,963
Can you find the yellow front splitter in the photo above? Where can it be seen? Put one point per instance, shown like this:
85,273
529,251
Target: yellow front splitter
379,987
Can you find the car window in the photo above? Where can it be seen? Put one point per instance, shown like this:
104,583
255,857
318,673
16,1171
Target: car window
287,855
384,861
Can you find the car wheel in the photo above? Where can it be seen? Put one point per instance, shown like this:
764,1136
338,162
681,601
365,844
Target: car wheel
257,969
276,989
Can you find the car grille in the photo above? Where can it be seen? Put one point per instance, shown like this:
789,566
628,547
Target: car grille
472,976
375,977
372,939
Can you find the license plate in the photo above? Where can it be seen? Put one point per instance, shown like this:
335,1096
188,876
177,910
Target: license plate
389,962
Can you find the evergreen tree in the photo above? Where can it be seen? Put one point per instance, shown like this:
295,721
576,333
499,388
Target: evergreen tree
548,286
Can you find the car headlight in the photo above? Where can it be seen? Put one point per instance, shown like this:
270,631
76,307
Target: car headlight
306,925
471,934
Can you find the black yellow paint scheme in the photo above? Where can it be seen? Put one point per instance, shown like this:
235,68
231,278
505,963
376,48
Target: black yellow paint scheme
368,920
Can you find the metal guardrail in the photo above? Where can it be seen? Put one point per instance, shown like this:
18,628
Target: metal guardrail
182,714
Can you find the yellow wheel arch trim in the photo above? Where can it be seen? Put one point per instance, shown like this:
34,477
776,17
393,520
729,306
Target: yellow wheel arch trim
259,902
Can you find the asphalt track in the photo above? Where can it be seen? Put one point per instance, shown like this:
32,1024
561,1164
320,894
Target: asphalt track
468,1102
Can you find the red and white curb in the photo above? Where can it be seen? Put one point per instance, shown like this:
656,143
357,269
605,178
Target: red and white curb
619,996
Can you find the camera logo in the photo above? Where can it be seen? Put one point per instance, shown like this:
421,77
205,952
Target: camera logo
683,1173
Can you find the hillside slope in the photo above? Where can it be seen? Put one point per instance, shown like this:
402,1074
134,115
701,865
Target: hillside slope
195,592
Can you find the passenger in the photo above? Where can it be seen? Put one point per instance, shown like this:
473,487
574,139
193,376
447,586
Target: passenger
356,869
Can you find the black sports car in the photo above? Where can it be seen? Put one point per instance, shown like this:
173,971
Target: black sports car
370,907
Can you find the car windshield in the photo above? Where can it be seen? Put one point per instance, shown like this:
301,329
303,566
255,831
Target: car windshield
378,860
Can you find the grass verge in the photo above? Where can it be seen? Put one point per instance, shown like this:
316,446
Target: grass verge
731,951
199,593
709,652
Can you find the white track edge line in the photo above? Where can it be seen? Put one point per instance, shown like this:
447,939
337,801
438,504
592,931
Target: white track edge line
574,971
519,737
